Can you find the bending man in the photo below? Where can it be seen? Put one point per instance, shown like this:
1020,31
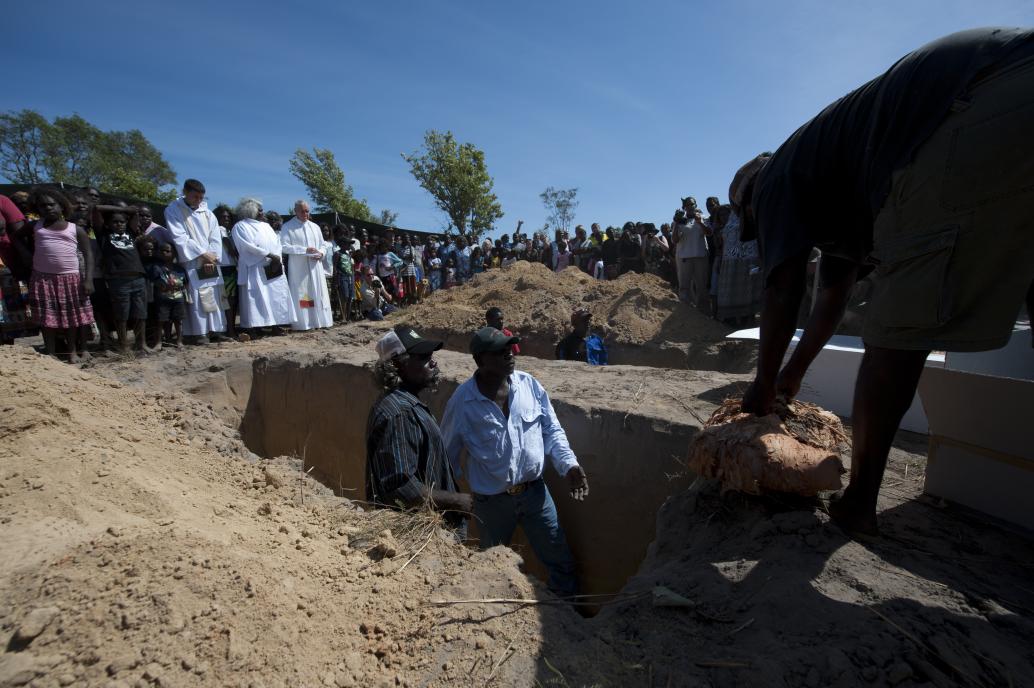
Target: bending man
924,174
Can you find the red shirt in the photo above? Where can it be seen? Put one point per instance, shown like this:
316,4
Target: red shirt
516,348
7,253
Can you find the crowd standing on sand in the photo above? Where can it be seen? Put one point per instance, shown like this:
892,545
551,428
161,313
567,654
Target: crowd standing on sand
82,270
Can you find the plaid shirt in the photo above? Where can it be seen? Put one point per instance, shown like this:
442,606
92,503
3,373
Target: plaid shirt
404,450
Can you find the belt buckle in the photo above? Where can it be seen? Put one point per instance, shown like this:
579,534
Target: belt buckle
516,489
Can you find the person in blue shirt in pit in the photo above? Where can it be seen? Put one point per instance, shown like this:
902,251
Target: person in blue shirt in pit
504,420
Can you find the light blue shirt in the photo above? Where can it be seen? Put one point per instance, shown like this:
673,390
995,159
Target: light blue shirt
503,452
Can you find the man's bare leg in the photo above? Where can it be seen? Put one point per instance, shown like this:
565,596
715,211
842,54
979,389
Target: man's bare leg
886,385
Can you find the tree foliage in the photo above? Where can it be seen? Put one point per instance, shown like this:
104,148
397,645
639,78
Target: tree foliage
325,181
456,176
388,217
560,204
74,151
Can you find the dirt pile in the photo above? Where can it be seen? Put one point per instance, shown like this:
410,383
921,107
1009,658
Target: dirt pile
145,546
639,317
141,548
794,450
746,591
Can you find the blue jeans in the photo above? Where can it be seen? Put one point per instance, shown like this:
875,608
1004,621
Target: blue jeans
379,313
533,510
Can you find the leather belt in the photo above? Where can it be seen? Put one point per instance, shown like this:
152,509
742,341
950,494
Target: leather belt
519,488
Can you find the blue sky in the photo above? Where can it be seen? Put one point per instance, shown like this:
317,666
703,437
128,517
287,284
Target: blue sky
636,104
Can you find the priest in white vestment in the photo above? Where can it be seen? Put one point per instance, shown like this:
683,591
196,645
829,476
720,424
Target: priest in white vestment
264,301
195,233
308,265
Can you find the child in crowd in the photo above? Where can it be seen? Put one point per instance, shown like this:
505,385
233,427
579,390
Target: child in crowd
147,247
477,261
561,256
597,263
344,275
450,273
409,276
169,279
123,274
434,269
510,259
58,295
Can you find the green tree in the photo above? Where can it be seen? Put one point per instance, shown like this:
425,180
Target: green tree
22,154
560,204
325,181
129,184
74,151
456,177
388,217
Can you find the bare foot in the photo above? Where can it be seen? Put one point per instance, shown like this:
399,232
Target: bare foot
84,356
853,518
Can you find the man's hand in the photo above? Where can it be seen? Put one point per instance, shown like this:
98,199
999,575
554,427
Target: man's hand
88,287
788,384
578,482
314,253
208,258
464,502
759,398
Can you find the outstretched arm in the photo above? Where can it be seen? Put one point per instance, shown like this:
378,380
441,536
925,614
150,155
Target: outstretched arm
782,300
836,277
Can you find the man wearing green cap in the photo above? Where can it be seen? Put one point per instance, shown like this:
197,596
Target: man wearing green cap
504,420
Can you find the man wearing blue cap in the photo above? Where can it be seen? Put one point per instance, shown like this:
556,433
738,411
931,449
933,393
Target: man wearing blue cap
504,420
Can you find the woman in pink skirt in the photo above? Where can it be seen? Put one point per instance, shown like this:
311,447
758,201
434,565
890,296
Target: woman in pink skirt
58,295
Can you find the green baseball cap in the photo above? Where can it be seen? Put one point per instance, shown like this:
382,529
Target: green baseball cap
489,339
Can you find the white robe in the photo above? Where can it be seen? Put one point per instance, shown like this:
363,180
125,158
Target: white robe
263,302
307,277
195,232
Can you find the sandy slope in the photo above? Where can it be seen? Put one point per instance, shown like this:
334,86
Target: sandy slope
158,554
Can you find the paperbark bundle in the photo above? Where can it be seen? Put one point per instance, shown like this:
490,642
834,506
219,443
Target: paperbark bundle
796,449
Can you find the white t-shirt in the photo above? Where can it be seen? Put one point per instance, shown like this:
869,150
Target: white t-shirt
690,241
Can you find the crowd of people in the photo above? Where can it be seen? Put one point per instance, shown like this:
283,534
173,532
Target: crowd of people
82,270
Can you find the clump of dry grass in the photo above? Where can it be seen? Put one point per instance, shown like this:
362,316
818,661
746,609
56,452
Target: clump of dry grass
807,423
397,534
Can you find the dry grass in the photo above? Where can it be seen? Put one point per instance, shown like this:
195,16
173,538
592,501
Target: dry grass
807,423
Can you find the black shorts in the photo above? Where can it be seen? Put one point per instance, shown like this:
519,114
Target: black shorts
127,298
171,311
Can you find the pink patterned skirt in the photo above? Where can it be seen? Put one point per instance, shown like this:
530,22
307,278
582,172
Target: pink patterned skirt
58,301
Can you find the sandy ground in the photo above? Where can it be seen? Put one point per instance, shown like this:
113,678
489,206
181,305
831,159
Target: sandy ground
638,316
145,545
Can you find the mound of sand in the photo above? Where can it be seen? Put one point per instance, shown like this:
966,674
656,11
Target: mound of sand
144,546
639,316
141,548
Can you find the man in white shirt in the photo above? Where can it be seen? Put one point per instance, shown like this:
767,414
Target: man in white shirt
691,256
504,420
199,245
308,265
265,296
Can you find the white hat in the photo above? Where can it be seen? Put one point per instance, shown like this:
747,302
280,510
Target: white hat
389,346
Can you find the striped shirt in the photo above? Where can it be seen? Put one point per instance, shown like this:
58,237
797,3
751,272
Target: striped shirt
404,450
